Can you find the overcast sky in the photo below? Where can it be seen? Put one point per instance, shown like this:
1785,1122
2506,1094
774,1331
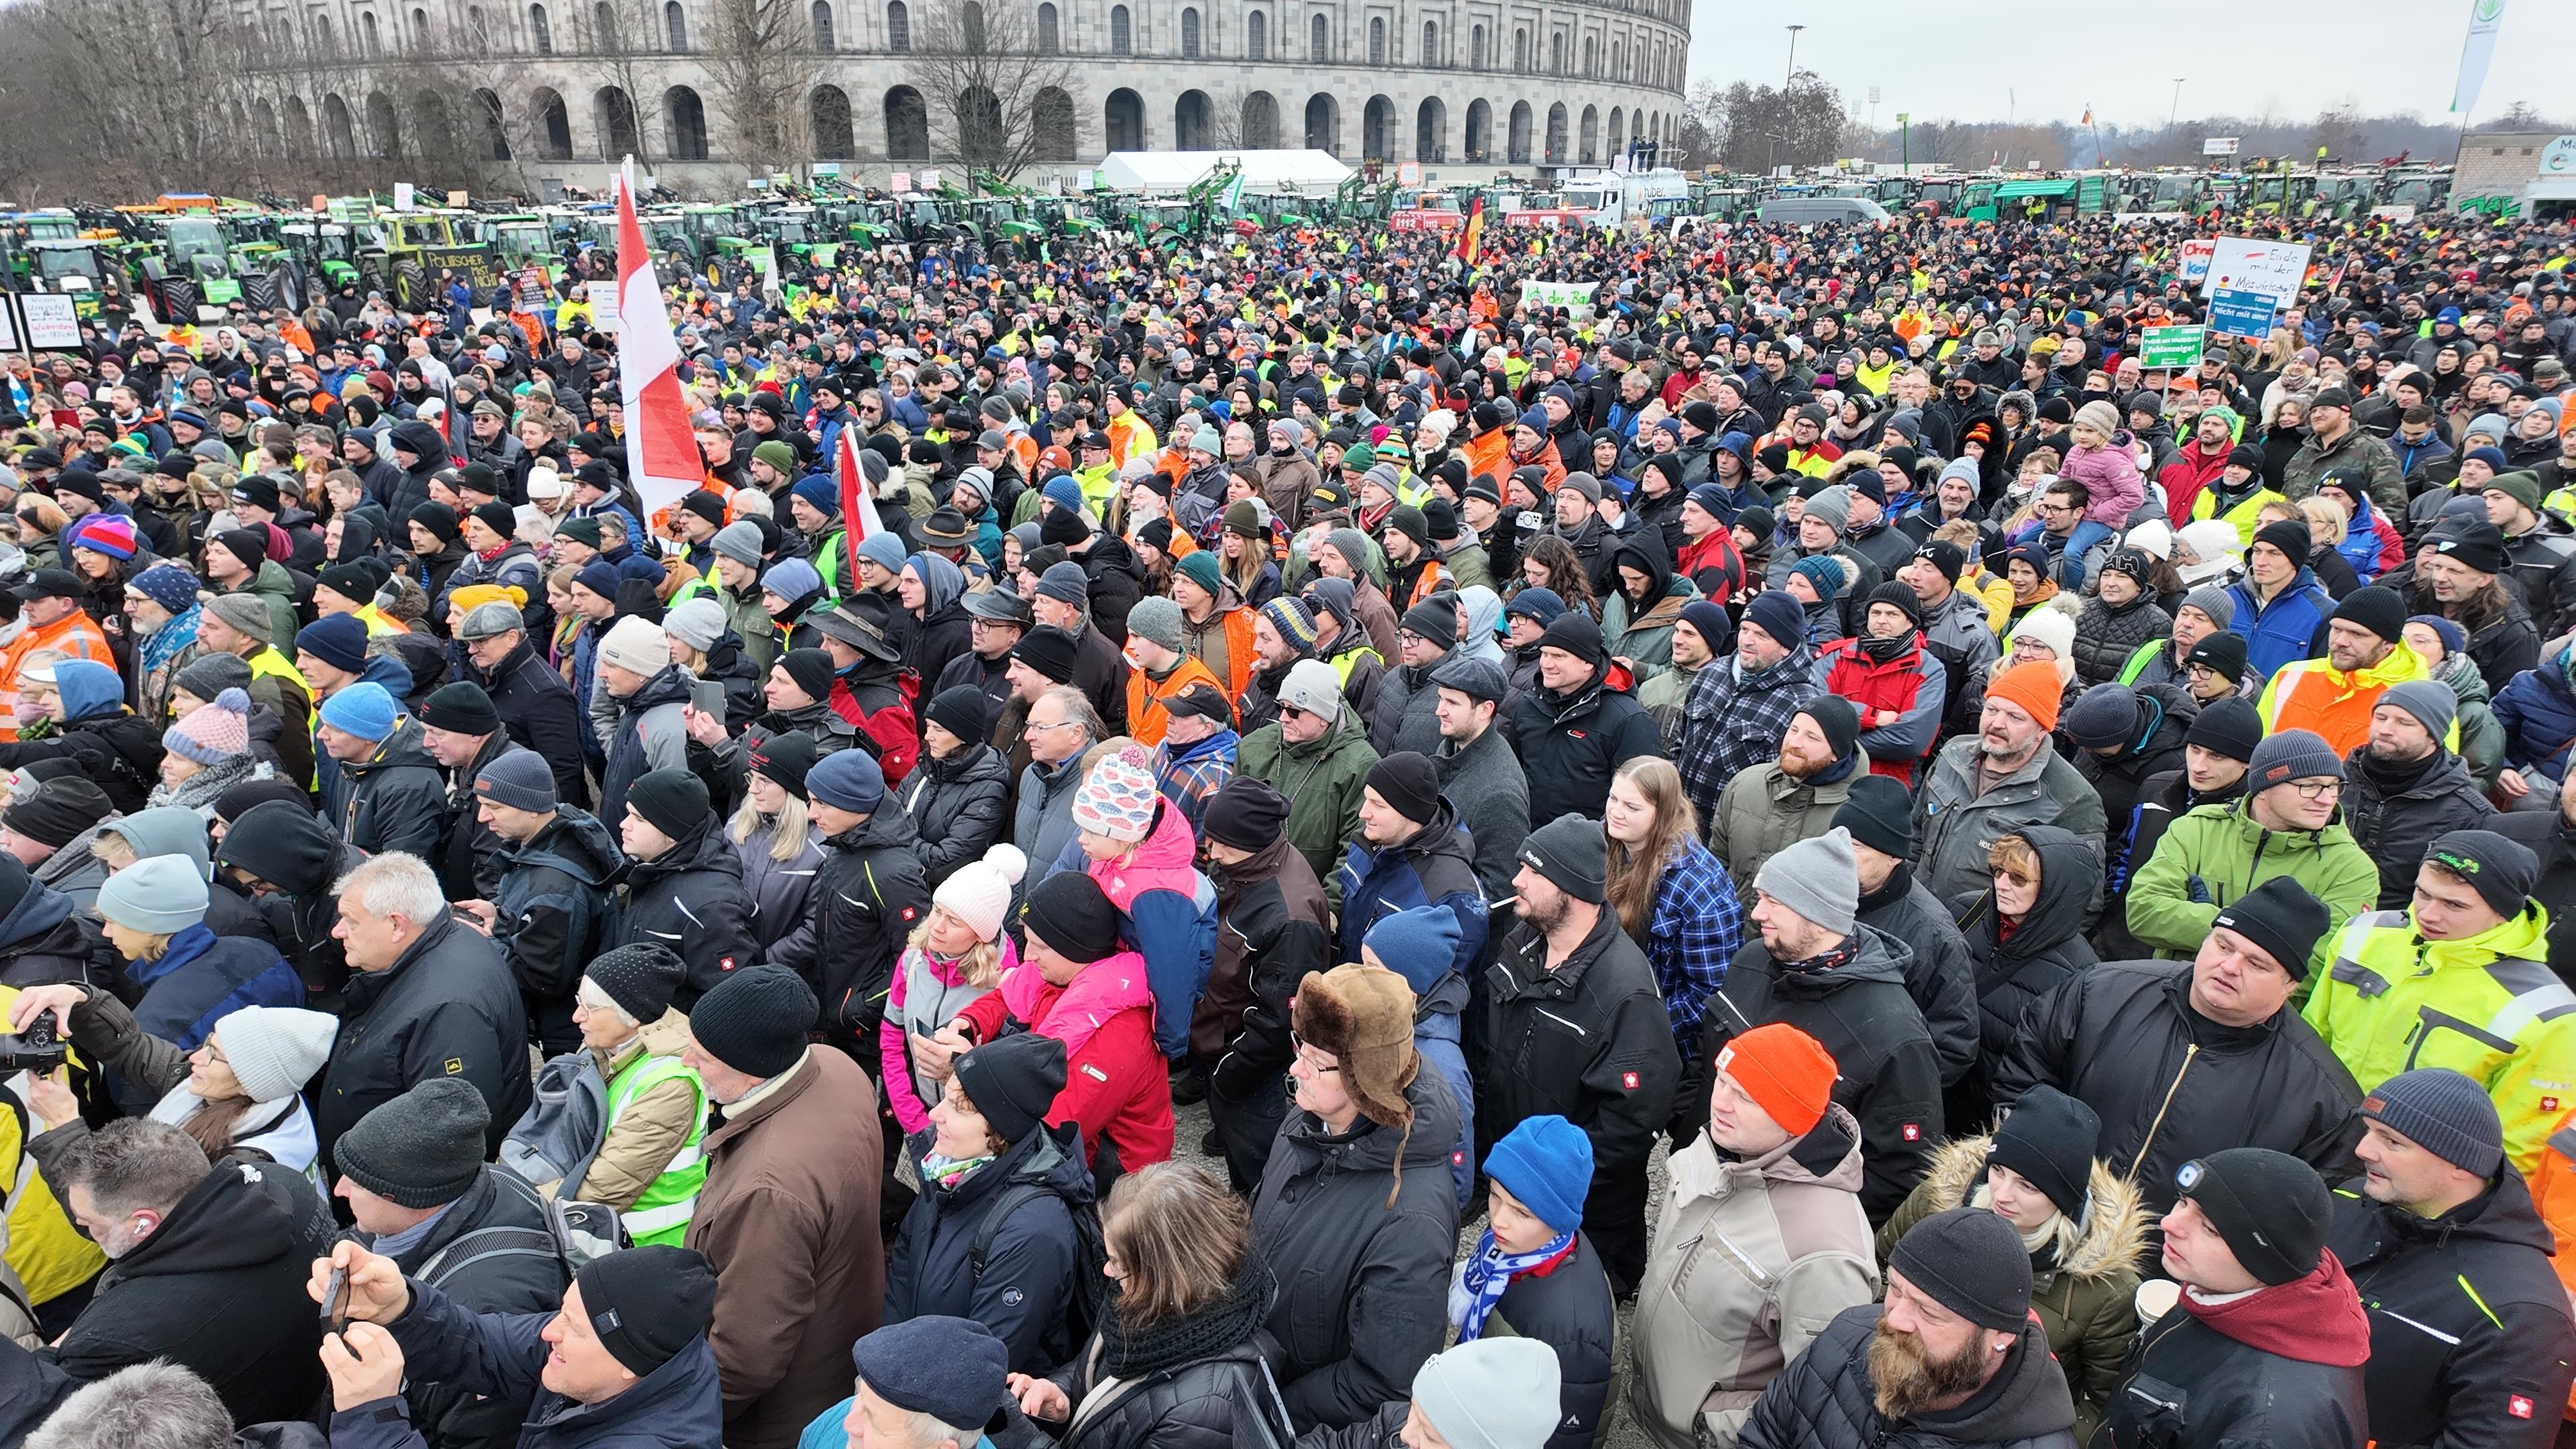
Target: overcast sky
1957,59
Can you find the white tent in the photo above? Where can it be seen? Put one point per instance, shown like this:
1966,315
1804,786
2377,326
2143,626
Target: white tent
1308,173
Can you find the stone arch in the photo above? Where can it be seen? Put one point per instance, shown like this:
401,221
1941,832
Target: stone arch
298,140
612,114
263,125
493,139
1256,36
1517,152
1319,38
907,124
339,128
675,26
1377,40
433,137
1324,122
1190,32
1618,137
1058,130
541,31
384,127
1377,129
1259,123
980,136
553,125
1123,114
1556,134
1480,131
835,138
1050,31
1122,31
1587,135
1431,131
684,124
1190,121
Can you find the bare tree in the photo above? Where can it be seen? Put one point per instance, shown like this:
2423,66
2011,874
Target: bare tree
984,77
760,56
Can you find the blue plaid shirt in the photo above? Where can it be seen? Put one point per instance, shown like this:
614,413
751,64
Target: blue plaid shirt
1694,932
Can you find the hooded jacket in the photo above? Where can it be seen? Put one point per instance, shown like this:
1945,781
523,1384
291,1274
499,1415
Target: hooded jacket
445,1008
2469,1330
2311,694
40,943
1116,1085
2016,967
959,807
690,899
537,708
2280,1368
1956,826
396,798
2083,1291
549,885
1358,1227
1273,930
1754,1257
1028,1279
2171,1085
1322,779
2488,1006
1167,913
2105,637
1888,1076
1429,868
296,853
218,1289
642,733
2213,854
1571,743
118,749
2291,626
1824,1400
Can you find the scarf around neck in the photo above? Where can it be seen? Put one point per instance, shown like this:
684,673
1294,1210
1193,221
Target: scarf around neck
1489,1271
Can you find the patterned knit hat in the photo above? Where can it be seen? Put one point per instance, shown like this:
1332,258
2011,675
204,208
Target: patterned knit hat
218,732
168,585
1117,799
1295,625
105,533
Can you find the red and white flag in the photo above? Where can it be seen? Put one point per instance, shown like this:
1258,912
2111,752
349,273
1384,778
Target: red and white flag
662,459
858,507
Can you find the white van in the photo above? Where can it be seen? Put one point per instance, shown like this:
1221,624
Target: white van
1822,210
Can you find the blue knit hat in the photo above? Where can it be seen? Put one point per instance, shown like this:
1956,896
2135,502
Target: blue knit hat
2444,1112
847,779
1535,420
168,585
1295,626
1822,570
88,688
819,492
791,579
1543,605
1776,614
600,577
363,709
1418,944
1546,1162
1063,492
339,640
883,549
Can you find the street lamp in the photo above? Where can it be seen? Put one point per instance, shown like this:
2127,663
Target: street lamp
1792,80
2176,113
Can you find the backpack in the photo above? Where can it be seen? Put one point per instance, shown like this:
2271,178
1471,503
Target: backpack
566,1121
591,913
574,1234
1090,1252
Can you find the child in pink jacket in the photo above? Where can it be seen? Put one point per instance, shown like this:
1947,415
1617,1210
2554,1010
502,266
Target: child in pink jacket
953,957
2101,462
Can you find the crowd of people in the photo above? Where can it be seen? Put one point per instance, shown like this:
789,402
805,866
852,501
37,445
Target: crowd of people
2069,863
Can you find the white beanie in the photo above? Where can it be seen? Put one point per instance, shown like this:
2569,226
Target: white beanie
980,892
1494,1393
2054,628
275,1050
635,643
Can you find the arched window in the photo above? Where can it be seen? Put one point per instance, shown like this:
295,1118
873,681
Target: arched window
1520,50
603,27
1124,119
554,126
540,34
971,26
1190,33
684,117
382,127
1430,42
827,33
898,26
322,40
1319,39
1556,53
1050,31
833,140
1122,36
419,29
1052,115
907,123
478,31
1476,47
1377,41
612,114
337,124
675,24
367,42
1256,36
1259,121
1591,55
496,135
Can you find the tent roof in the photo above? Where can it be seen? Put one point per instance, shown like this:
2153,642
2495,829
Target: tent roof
1305,171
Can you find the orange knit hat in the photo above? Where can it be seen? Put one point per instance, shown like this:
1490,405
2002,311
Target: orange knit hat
1786,1071
2034,686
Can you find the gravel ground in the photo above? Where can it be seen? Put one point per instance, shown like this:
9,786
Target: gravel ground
1191,1123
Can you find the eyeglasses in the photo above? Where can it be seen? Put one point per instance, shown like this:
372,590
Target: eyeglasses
2316,789
2006,873
1312,1056
1033,726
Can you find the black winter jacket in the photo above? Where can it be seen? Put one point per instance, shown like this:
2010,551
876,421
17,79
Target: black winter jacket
537,709
2165,714
2170,1084
540,899
445,1008
1359,1228
868,895
287,846
408,488
1824,1400
490,1252
465,858
1888,1073
1028,1277
2394,819
120,751
959,807
1570,744
395,799
217,1289
1940,978
1228,1399
2188,1386
1273,930
41,942
1117,583
1569,1309
690,898
2466,1318
2046,950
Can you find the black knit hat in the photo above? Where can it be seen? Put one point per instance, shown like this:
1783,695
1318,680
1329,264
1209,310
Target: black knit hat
2223,652
2230,727
1574,856
439,519
1834,715
2375,608
964,710
1880,815
248,545
639,978
673,801
1247,813
1408,781
755,1020
1897,596
2049,1140
2289,536
785,758
496,517
423,1149
1013,1080
1576,634
1970,1261
2271,1209
58,811
1048,650
462,708
1435,619
811,669
1068,911
2502,869
648,1303
2281,918
2475,543
2445,1112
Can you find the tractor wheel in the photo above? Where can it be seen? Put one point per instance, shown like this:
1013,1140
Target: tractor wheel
317,292
178,302
259,290
411,284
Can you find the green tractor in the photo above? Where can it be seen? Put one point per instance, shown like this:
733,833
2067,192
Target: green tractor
77,267
521,240
323,254
404,252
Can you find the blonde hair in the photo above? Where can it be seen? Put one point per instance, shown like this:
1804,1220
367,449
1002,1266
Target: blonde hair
1635,874
1181,1238
113,850
2321,509
2014,853
981,966
787,828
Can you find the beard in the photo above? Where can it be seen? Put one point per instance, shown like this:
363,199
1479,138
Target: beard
1547,920
1906,1379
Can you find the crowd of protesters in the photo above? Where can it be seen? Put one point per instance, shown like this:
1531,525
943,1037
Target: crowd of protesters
2067,861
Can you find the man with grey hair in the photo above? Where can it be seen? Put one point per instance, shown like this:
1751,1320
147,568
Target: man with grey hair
152,1405
427,997
1061,727
1318,755
205,1269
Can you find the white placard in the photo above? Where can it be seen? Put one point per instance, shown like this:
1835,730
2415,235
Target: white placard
403,196
1558,294
53,320
899,182
603,304
2273,268
8,326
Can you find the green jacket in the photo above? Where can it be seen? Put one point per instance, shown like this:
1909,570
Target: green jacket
1322,780
273,586
2222,848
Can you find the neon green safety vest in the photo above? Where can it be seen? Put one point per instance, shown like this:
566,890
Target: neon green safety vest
661,1214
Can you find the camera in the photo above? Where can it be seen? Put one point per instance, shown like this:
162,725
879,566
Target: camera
40,1048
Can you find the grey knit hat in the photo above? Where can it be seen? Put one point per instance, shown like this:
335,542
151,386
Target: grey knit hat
1157,619
247,613
697,622
2290,755
1351,544
2213,602
519,779
1818,877
2432,702
739,542
1494,1393
1834,507
161,894
423,1149
275,1050
209,675
1066,583
2443,1111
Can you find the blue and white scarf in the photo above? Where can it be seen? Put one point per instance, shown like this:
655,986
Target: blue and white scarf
1487,1272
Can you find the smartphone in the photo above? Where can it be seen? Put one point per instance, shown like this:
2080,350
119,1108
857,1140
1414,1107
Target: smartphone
335,1302
708,695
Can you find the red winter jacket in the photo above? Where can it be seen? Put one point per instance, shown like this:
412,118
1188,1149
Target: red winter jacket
1714,555
1117,1087
892,725
1896,686
2190,471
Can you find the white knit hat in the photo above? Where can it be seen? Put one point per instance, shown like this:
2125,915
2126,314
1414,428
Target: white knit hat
980,892
275,1050
635,643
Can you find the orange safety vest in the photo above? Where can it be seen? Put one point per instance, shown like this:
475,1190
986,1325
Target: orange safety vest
2553,1193
1146,717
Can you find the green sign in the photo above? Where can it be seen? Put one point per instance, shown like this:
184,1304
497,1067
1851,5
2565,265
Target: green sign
2171,348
